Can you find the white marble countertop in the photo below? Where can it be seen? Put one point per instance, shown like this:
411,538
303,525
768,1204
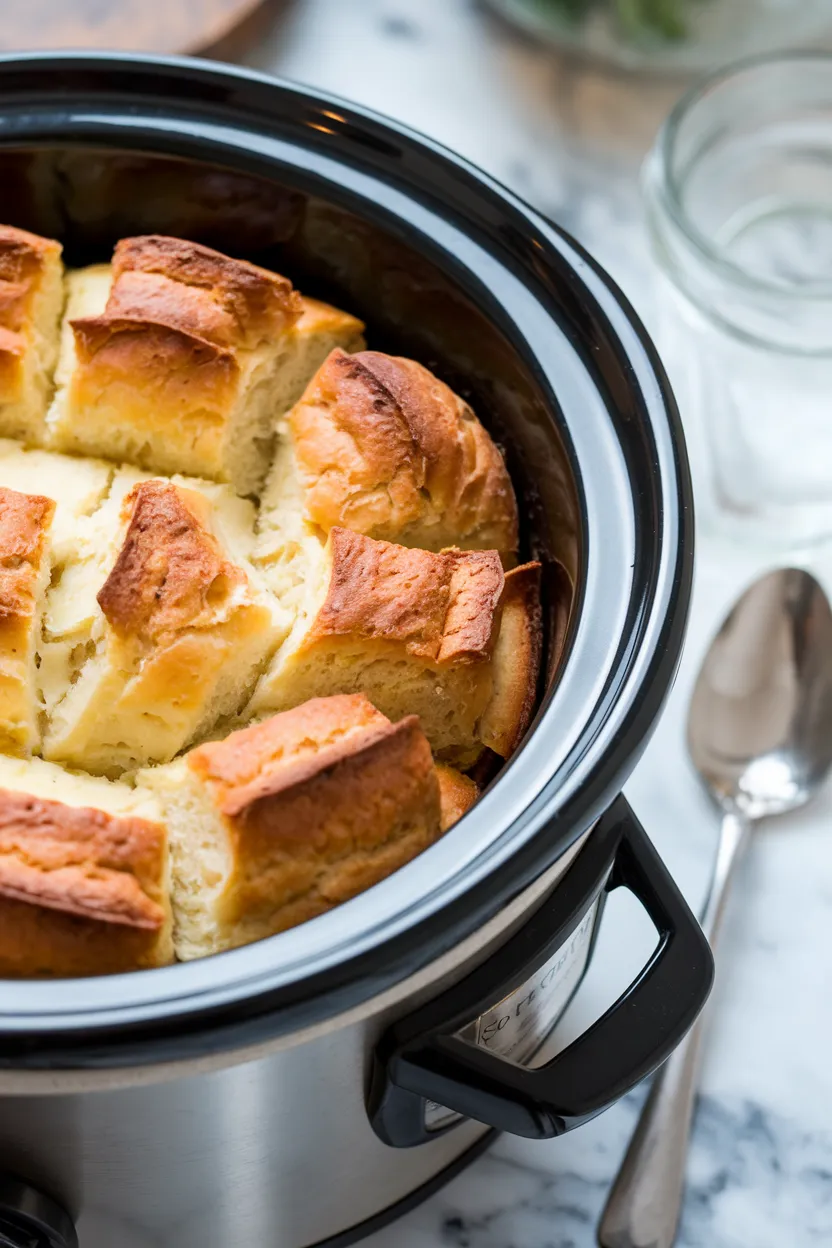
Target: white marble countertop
571,141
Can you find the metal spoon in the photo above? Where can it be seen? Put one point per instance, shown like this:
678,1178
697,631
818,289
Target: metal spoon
760,735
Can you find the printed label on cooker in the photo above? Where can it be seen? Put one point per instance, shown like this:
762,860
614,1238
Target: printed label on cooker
517,1026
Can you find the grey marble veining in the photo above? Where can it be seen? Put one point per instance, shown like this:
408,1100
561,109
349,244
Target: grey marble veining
571,139
756,1181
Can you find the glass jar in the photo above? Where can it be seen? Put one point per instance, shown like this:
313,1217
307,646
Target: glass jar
683,36
739,197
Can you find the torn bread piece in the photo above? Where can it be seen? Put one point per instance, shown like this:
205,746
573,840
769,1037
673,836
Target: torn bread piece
379,445
25,529
457,794
85,548
31,298
286,819
516,662
84,874
159,632
179,359
414,630
64,493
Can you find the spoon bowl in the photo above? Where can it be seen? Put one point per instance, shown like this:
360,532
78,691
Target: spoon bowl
760,719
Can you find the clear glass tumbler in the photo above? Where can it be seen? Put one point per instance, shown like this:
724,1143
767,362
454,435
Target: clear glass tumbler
739,197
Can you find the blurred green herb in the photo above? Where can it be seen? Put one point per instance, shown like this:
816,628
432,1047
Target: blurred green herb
664,18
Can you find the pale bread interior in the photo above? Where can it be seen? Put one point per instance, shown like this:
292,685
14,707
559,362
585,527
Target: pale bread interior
57,784
202,860
78,486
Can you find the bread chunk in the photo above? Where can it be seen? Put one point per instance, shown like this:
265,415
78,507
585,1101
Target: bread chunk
288,818
411,629
516,662
457,794
158,631
31,297
46,507
84,875
379,445
25,524
179,359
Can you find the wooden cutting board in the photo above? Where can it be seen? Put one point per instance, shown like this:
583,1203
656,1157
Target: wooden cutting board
120,25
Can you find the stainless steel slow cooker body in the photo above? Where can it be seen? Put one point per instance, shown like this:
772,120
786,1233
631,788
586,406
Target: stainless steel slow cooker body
300,1090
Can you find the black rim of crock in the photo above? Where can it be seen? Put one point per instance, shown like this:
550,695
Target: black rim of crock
243,119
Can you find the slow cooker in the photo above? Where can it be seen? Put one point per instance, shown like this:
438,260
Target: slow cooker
304,1090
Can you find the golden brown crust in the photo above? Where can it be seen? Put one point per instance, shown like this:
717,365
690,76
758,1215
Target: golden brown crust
386,448
81,861
170,572
177,306
36,943
473,616
184,365
286,749
441,608
321,802
516,663
23,260
25,520
356,823
12,345
323,318
12,353
457,794
23,257
185,286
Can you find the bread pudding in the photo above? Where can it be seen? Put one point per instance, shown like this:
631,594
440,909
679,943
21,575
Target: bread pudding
261,607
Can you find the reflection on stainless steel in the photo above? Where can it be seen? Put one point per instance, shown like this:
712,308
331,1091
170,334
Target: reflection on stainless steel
760,735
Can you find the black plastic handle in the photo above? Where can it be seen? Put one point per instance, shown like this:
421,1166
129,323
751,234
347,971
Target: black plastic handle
31,1219
423,1058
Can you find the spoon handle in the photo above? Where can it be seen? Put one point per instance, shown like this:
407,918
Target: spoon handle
646,1199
